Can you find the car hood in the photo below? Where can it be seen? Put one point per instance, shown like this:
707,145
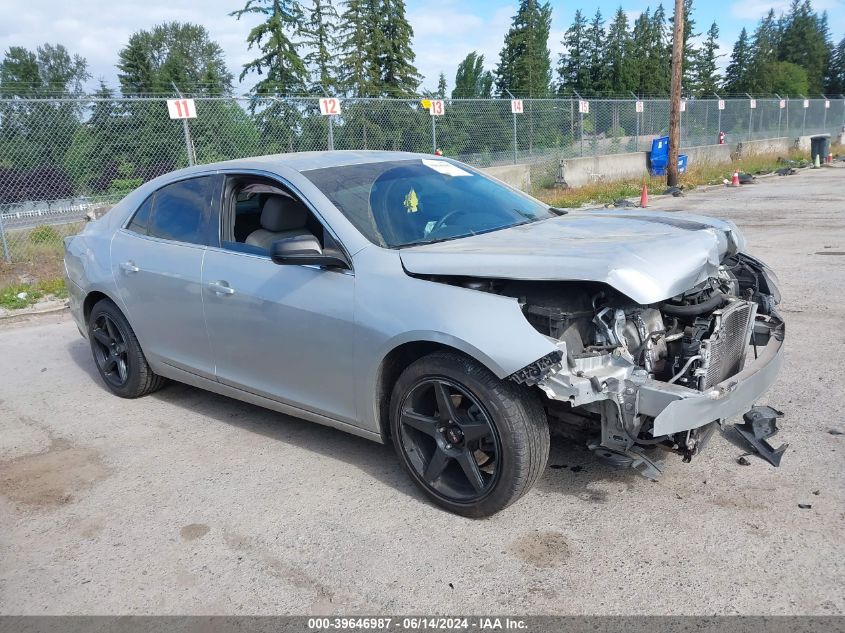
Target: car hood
647,255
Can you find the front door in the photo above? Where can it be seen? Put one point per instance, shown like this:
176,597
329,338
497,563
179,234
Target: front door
283,332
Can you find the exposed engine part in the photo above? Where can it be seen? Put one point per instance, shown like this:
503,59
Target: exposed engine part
716,300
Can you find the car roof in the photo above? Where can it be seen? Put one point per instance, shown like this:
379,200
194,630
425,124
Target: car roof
305,161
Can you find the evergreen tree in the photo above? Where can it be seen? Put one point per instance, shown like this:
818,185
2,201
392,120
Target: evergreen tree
279,63
358,56
836,70
471,80
441,86
707,79
399,76
764,53
805,42
573,66
173,53
619,71
524,63
737,73
595,35
322,41
659,69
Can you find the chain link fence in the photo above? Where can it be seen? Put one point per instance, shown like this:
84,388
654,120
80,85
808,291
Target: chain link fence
64,158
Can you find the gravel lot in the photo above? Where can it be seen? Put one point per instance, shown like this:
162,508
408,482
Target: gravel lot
186,502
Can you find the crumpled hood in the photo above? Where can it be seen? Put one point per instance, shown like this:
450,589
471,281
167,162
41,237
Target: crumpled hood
647,255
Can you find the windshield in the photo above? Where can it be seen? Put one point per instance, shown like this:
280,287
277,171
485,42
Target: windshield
402,203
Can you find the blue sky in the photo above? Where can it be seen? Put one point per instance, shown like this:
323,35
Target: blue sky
445,30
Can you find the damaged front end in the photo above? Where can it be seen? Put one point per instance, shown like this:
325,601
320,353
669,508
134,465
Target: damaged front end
654,375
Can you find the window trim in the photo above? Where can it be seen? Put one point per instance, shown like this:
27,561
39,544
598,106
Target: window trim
226,208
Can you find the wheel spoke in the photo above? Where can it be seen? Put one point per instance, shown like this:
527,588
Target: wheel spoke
110,363
467,461
436,466
445,407
420,422
474,431
121,369
102,337
110,329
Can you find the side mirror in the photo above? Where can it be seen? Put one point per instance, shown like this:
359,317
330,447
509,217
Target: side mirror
304,250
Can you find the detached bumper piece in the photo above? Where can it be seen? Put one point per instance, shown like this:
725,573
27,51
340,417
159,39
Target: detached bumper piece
758,426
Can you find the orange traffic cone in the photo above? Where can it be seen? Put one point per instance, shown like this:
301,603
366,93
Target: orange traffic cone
735,179
644,196
829,158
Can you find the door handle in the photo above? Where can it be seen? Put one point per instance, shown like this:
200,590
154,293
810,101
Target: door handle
221,288
129,267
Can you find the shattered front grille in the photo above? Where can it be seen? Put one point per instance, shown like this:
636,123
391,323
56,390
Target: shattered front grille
726,346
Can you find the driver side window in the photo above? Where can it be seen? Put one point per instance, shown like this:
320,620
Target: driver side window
260,211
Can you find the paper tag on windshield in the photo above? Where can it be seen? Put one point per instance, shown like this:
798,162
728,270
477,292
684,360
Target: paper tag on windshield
445,168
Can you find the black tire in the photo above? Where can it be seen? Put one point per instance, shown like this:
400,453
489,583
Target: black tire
508,459
118,354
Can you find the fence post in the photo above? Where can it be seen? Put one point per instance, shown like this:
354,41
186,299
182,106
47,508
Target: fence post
804,123
7,256
513,114
189,147
750,115
581,124
433,135
331,127
637,119
779,113
824,118
719,110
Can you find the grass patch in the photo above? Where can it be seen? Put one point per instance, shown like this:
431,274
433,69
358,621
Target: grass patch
600,193
17,296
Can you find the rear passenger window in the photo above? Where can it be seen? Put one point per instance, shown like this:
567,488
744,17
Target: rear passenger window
181,211
141,217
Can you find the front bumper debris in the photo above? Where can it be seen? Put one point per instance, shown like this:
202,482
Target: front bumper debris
759,425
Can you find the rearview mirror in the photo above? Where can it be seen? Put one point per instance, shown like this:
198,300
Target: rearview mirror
304,250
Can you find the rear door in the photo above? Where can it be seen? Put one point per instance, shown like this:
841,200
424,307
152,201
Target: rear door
157,264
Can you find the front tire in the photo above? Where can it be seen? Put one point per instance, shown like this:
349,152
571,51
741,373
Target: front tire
118,354
473,443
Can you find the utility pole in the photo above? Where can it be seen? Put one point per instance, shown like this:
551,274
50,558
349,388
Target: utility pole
675,103
189,145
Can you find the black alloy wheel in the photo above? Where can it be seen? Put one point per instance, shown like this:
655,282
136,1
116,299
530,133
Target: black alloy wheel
450,440
110,350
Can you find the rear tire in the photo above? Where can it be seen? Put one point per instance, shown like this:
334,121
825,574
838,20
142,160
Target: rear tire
473,443
118,354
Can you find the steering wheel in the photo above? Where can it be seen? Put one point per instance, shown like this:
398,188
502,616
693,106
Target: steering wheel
442,221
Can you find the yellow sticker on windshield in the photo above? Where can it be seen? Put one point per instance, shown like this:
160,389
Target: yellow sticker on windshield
412,203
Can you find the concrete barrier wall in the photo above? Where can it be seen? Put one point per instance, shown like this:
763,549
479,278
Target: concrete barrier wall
518,176
576,172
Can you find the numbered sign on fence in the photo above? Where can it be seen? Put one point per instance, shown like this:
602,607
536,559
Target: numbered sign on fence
181,109
721,104
516,106
329,106
806,103
437,108
683,106
782,104
827,104
584,107
640,106
752,103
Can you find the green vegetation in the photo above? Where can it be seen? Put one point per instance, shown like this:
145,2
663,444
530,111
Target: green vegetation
44,235
17,296
601,193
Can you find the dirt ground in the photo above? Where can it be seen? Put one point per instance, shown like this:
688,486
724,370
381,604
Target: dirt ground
186,502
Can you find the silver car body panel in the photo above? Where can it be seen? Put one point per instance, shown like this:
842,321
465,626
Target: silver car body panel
312,342
629,253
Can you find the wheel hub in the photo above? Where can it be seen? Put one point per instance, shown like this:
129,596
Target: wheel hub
454,435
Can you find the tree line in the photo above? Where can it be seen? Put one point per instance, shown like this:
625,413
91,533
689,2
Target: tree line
363,48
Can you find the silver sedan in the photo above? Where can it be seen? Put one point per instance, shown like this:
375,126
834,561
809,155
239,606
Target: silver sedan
410,298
